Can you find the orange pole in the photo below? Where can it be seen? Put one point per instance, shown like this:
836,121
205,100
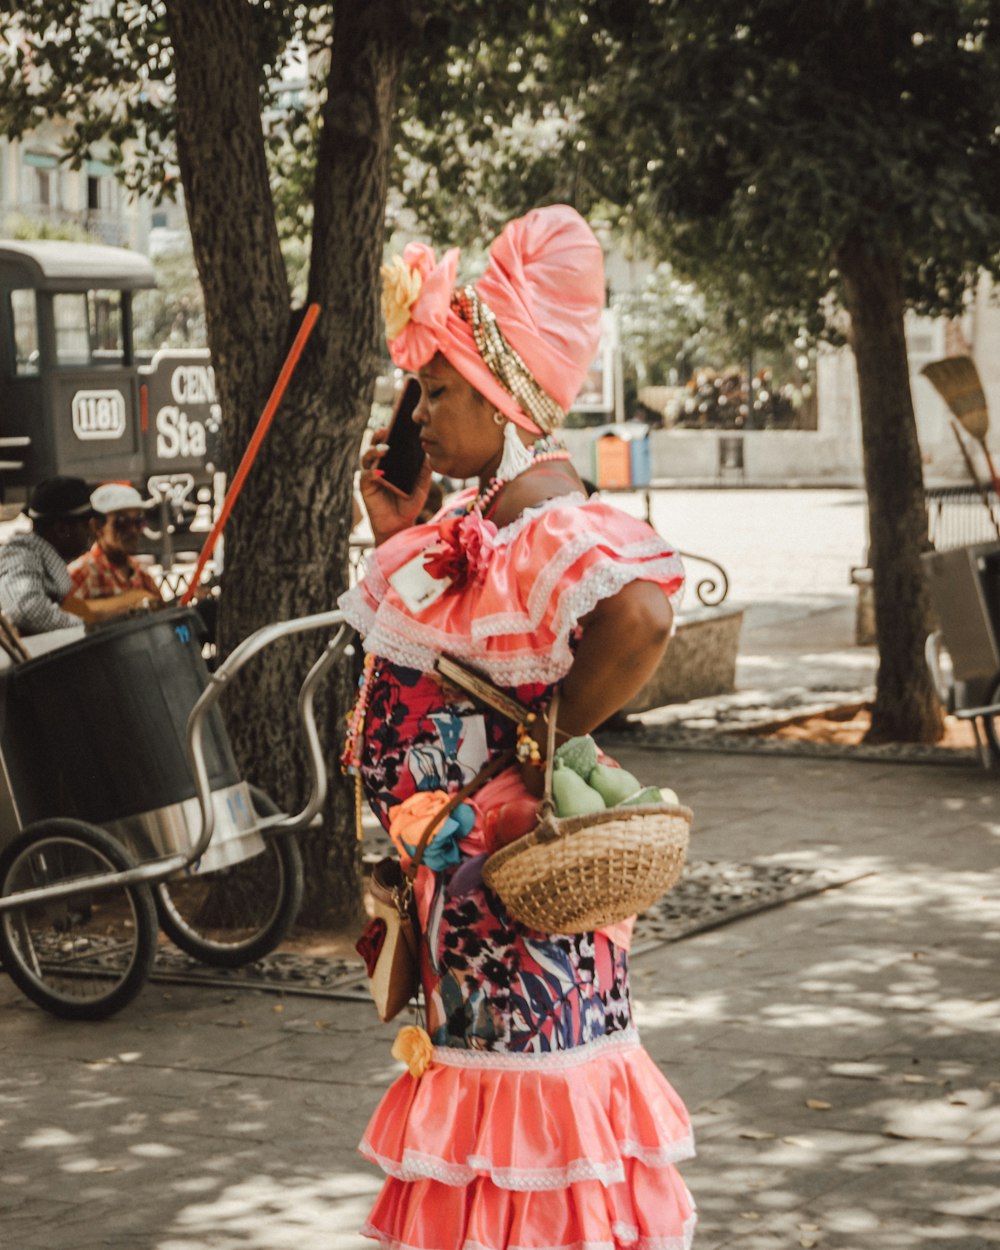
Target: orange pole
270,408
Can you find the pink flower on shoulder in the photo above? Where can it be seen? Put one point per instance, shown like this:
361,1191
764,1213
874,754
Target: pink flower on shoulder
464,551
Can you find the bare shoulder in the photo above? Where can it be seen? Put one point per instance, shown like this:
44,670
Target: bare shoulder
535,486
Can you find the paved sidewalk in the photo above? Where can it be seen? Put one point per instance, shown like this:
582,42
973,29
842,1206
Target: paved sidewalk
839,1054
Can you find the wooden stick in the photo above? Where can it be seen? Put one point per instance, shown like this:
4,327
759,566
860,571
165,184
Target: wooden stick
9,629
15,656
270,408
983,490
989,464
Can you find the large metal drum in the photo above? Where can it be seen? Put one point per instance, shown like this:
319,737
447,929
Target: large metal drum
96,730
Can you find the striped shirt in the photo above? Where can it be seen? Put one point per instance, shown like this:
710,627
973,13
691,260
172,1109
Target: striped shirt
34,581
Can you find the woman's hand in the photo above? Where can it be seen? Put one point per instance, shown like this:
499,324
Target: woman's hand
91,611
388,512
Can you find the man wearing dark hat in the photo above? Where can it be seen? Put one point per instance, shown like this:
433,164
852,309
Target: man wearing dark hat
36,589
34,581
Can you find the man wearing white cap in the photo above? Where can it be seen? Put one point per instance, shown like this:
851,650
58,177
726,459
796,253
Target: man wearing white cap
109,569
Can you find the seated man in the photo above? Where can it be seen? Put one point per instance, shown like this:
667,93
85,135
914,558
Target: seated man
109,569
34,581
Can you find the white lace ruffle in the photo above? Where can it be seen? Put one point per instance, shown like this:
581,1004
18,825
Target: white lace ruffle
399,638
508,533
537,1061
549,577
621,1232
415,1166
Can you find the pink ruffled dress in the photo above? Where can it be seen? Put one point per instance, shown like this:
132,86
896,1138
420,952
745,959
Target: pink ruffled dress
541,1123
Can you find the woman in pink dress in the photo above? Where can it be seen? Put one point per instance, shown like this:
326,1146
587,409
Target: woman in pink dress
531,1118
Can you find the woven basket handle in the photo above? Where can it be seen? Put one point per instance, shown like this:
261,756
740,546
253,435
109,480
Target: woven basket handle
546,809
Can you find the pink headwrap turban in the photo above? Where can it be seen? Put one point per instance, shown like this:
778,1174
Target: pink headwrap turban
544,284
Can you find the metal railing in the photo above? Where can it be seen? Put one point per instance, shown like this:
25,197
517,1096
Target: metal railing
961,516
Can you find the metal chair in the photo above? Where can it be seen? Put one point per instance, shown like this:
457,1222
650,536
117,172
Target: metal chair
964,586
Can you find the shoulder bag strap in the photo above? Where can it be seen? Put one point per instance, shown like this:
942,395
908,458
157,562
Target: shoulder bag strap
497,766
480,688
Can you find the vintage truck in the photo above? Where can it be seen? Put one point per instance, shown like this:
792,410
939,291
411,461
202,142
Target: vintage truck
76,399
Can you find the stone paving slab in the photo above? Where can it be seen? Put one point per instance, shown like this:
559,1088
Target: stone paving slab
205,1119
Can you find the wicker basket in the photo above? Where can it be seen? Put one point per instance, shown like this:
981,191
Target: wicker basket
579,873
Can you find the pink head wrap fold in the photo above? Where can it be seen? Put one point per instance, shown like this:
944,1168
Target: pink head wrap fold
544,283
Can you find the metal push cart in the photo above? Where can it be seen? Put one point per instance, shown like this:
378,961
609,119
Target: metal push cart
963,654
125,809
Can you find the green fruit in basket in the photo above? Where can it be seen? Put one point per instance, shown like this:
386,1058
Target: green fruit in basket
572,795
614,785
580,754
652,794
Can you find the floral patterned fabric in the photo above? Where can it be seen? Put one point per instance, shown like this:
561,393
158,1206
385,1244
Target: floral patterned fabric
490,983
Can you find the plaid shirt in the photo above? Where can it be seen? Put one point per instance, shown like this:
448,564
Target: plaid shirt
33,582
95,577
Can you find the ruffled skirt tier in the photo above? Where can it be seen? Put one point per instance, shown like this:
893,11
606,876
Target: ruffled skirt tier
572,1150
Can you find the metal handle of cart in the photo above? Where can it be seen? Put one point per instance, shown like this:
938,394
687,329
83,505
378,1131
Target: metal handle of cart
152,871
246,650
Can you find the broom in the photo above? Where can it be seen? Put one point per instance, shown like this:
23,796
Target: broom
957,381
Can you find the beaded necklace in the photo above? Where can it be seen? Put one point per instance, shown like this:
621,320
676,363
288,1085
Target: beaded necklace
547,448
350,759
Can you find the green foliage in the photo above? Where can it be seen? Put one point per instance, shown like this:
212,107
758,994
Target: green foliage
17,226
749,143
668,329
660,327
108,70
172,315
763,138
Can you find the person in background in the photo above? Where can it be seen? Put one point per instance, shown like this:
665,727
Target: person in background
34,581
109,570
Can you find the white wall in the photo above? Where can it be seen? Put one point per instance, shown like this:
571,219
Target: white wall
832,455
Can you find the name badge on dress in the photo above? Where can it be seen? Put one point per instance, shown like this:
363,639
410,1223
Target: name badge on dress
415,586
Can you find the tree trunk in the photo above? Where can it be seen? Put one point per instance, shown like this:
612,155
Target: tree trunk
906,707
286,544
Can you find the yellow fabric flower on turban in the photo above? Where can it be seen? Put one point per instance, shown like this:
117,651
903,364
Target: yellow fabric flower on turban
413,1047
401,287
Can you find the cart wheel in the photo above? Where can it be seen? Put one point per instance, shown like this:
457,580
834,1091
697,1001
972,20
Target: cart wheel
85,955
990,723
238,914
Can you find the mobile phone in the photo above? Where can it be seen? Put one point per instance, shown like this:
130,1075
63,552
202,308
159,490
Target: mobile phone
401,464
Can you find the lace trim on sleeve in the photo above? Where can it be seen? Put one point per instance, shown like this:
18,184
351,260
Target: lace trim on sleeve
399,638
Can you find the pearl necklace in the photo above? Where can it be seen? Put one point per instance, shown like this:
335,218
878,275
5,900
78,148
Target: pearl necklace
547,448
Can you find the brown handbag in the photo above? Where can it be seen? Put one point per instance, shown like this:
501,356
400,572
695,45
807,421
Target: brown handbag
390,944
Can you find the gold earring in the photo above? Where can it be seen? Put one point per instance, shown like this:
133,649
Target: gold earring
499,418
